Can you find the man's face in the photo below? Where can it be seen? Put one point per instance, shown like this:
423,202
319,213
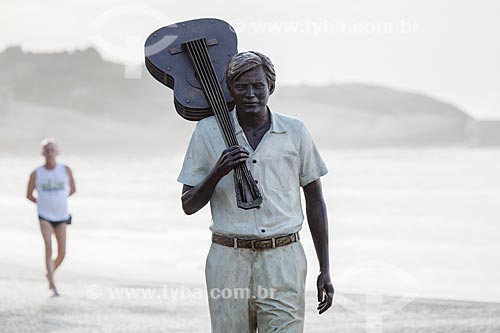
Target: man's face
251,91
50,151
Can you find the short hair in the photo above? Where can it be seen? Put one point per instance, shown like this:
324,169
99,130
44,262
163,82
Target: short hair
248,60
46,141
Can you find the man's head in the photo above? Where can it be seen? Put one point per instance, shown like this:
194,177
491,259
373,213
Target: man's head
49,149
250,77
245,61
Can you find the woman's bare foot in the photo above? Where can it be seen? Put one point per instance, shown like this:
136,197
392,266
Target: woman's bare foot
53,292
52,288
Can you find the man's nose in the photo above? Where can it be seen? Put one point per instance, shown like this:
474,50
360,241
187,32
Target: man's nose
250,92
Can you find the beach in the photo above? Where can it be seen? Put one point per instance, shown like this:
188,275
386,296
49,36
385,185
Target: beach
101,305
413,246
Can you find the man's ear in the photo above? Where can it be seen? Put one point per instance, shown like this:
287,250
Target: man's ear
271,88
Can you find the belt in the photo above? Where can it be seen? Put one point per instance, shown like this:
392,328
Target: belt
255,244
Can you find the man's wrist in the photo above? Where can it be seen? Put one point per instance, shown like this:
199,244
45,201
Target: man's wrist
325,271
215,176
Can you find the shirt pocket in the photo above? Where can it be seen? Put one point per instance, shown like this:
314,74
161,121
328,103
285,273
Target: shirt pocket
281,172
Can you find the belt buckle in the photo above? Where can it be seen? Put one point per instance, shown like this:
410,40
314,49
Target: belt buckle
252,242
235,242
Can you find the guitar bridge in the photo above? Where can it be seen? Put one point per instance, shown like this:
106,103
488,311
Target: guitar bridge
208,42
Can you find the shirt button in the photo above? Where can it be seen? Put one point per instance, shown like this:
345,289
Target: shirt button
256,181
263,230
254,161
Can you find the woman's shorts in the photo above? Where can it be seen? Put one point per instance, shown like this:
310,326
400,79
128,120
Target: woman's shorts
55,223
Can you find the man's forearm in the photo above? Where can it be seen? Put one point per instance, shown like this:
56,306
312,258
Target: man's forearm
318,223
197,197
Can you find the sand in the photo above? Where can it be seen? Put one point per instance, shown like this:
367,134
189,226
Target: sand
90,304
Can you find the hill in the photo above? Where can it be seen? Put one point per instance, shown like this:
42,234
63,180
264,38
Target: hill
66,87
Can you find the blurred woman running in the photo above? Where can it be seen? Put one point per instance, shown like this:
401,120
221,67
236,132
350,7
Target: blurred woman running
53,183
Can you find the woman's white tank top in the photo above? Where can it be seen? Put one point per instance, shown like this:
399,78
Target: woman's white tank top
53,188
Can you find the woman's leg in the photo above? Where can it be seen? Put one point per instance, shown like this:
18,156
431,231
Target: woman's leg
46,230
60,232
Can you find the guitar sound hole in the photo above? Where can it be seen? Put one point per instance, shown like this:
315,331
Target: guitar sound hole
194,80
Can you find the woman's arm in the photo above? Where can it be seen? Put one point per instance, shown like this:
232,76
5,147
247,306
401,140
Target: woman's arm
72,187
31,187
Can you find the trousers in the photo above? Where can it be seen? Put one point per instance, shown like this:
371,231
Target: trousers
256,290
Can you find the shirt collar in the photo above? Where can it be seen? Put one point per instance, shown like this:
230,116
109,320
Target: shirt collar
276,124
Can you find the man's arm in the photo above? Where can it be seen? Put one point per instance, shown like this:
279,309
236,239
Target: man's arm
31,187
318,224
72,187
195,198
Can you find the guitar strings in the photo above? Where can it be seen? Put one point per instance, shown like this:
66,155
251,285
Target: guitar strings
199,51
207,90
218,94
221,100
217,97
203,73
220,107
224,112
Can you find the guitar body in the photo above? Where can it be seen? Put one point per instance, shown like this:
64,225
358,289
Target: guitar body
169,63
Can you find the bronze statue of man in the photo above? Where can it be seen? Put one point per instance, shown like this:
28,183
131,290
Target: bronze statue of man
256,267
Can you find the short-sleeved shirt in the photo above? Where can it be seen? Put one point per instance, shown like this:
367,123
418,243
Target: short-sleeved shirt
285,159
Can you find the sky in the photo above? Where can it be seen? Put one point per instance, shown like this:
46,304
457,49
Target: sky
445,49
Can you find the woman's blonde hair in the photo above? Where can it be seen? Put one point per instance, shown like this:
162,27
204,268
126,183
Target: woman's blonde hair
46,141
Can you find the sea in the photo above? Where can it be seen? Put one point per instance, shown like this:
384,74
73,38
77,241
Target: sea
414,222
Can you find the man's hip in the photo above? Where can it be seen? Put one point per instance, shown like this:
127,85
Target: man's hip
250,288
255,244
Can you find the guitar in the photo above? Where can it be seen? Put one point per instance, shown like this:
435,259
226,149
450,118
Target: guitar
191,58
